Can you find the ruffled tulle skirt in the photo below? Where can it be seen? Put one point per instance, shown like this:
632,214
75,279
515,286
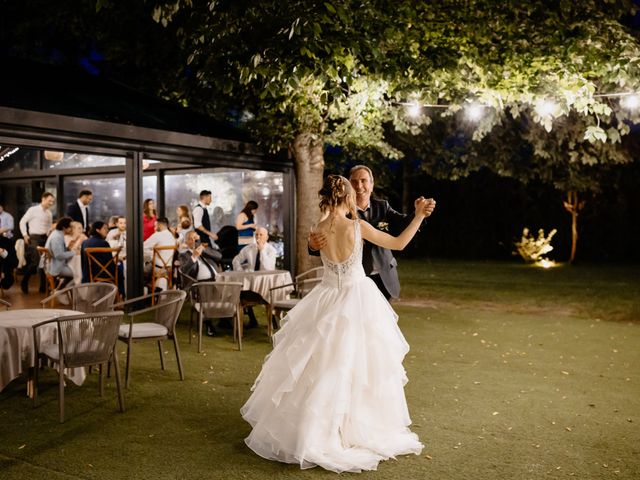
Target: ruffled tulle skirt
331,393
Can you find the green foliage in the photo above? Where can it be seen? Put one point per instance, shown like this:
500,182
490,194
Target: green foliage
343,71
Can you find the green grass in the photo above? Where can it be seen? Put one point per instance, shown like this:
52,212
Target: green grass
515,373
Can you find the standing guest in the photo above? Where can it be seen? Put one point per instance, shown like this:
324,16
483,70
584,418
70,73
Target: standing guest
73,241
201,220
258,256
35,225
161,238
8,257
60,254
181,231
246,224
378,262
149,218
79,210
183,211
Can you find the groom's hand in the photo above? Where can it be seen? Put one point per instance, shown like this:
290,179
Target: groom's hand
317,241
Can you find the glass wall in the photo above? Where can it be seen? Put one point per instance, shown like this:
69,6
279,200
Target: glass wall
17,159
231,190
53,159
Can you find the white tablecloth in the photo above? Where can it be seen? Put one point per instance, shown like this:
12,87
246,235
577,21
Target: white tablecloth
16,342
261,282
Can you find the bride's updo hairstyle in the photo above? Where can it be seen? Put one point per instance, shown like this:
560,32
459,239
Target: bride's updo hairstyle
337,191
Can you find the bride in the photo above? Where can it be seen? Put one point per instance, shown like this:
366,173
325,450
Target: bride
331,393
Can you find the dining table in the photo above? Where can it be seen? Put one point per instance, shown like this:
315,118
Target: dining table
260,282
17,355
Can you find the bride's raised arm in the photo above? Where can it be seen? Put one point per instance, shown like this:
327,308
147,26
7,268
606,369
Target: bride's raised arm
385,240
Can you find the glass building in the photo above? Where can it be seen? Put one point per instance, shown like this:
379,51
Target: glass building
126,147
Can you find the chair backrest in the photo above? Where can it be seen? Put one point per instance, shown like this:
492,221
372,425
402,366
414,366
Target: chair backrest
218,299
88,339
168,307
228,241
163,263
105,270
45,257
303,287
316,272
85,295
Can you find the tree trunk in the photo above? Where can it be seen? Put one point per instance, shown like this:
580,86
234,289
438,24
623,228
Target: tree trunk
573,206
309,165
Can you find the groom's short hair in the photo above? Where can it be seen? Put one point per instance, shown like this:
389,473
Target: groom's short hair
361,167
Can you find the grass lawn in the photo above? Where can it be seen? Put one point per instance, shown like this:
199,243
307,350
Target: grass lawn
514,373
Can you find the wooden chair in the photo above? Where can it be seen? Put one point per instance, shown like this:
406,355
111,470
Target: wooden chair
217,300
165,313
103,271
162,268
45,259
83,340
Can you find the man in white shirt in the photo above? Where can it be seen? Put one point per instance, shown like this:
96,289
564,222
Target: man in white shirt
117,237
202,221
161,238
35,225
8,258
258,256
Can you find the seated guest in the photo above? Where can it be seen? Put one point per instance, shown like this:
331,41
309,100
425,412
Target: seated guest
73,241
161,238
97,239
257,256
117,237
60,254
197,261
181,231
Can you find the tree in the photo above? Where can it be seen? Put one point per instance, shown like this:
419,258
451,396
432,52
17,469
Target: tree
306,74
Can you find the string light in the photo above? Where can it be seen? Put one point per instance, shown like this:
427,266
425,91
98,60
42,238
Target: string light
546,107
474,111
630,102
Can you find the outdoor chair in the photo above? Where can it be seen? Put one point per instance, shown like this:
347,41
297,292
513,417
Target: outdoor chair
103,268
228,243
162,268
86,297
165,312
277,308
51,281
83,340
217,300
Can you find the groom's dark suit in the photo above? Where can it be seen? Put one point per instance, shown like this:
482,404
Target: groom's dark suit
380,211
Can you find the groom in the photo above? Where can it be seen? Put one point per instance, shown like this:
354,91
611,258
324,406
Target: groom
379,264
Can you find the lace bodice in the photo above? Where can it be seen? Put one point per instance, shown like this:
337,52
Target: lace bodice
343,273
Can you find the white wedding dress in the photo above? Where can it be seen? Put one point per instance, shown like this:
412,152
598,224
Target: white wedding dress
331,391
